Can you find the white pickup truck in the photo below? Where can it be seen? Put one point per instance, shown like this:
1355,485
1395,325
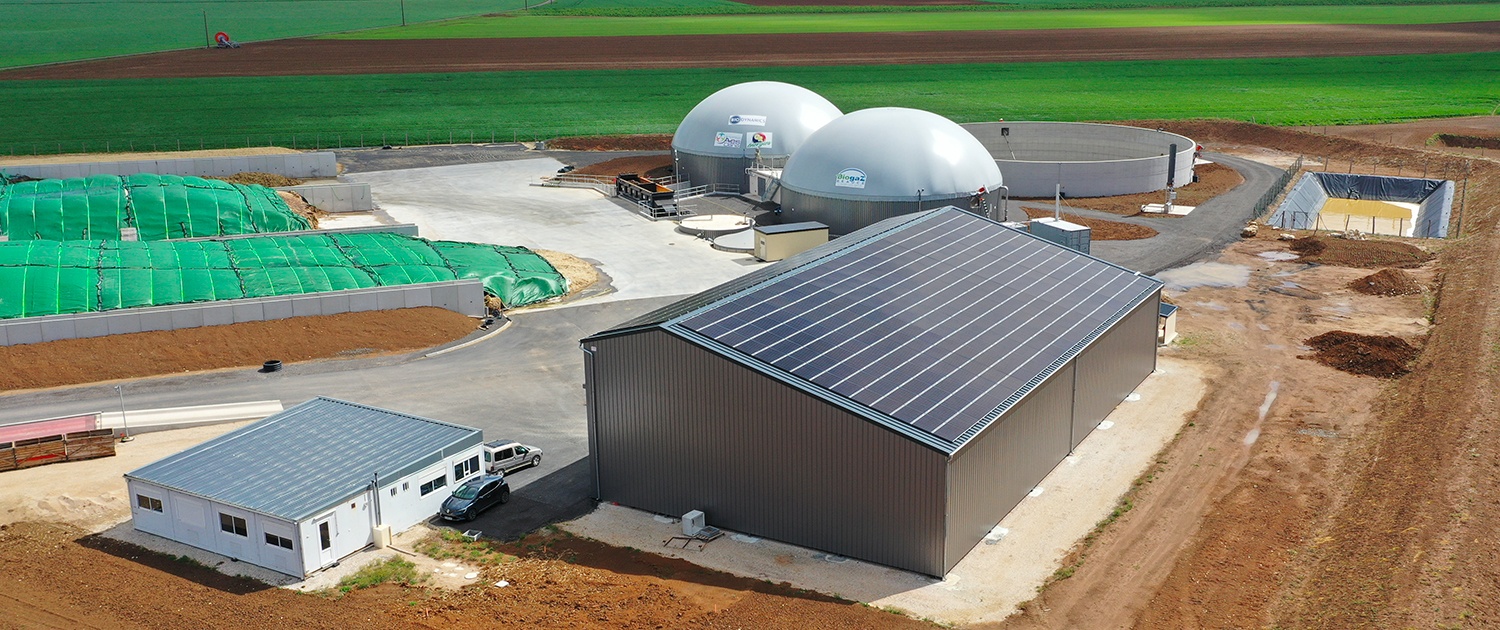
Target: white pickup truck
503,456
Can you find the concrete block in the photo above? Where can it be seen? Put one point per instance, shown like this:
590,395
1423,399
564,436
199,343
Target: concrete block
386,300
217,314
92,326
189,317
335,304
304,305
20,333
279,308
416,297
54,329
248,311
359,302
124,322
155,320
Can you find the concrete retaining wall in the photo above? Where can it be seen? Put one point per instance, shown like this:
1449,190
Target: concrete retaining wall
302,165
1089,160
461,296
406,229
336,197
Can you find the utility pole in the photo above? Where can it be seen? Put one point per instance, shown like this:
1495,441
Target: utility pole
403,12
208,40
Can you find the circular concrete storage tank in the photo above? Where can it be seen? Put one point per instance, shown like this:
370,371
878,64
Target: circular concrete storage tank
723,134
878,163
1089,160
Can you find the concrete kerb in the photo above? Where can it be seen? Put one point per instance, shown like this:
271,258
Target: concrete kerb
998,574
464,344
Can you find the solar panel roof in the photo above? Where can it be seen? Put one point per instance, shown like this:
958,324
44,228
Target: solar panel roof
300,461
939,323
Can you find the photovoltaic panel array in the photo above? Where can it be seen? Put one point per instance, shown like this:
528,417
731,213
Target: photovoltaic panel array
935,324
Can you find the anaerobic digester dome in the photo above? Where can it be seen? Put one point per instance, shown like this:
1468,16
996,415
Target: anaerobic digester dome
874,164
722,135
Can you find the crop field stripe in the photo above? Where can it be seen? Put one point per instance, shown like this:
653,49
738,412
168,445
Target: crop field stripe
554,26
68,116
46,32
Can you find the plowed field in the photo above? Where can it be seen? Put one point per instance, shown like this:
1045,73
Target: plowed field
328,57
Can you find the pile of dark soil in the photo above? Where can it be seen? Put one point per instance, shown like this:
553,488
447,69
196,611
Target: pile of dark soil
1367,355
269,180
1371,254
1466,141
645,142
1387,282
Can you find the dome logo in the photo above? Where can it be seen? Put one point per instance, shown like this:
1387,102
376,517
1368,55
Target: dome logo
850,178
743,119
759,140
728,140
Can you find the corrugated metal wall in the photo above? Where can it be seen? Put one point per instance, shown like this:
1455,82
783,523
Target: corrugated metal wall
710,169
675,428
844,216
1114,366
996,469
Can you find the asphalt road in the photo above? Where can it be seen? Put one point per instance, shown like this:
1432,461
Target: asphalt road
1207,230
524,383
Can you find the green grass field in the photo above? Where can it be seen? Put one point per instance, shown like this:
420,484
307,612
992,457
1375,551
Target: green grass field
40,32
648,8
70,116
552,26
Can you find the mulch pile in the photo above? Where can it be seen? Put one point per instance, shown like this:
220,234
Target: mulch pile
269,180
1367,355
1388,282
1353,253
645,142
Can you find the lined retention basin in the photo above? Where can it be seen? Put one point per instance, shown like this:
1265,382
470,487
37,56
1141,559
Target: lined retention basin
50,278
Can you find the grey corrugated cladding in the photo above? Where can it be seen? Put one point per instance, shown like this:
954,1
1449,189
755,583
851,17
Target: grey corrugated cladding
934,367
758,456
303,460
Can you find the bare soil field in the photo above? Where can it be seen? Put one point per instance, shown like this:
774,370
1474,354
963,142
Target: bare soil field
317,57
1326,500
1415,134
57,576
1213,180
347,335
637,142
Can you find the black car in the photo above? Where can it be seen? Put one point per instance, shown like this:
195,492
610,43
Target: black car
474,496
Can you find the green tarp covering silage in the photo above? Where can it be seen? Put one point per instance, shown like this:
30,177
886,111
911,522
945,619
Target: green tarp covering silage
49,278
158,206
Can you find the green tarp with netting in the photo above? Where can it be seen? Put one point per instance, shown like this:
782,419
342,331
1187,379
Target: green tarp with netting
49,277
158,206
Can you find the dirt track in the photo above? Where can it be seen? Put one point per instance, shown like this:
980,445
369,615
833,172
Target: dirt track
326,57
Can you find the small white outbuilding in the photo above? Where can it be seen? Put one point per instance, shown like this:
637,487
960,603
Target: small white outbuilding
302,489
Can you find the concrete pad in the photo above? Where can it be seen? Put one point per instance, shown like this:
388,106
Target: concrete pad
1001,572
494,202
